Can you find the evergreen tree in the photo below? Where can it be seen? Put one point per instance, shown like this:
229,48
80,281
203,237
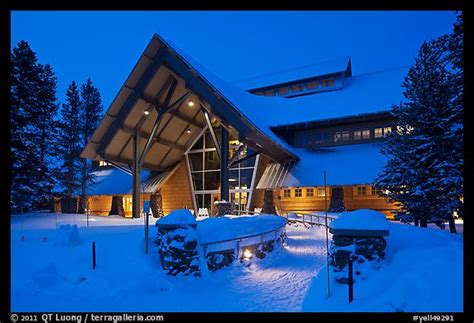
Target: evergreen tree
33,106
91,114
69,147
424,173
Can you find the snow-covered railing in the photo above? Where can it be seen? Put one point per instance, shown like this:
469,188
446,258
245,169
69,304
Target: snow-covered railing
309,218
238,244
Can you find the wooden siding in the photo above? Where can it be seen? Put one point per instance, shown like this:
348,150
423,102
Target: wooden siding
257,195
176,192
306,204
100,204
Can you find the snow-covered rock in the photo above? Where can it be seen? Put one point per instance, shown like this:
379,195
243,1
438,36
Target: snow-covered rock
177,217
363,219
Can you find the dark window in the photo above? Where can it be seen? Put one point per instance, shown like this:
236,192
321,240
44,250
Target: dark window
361,190
341,136
309,192
376,191
357,135
298,192
286,193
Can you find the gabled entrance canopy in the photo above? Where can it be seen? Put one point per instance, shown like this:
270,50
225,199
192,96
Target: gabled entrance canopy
153,107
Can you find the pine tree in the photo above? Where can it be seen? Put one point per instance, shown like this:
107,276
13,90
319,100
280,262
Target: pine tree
69,147
33,106
91,114
424,172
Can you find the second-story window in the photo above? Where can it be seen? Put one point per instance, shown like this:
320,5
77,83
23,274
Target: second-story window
366,134
357,135
309,192
361,190
321,192
387,131
341,136
286,193
378,132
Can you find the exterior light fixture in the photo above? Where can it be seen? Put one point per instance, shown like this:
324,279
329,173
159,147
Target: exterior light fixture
189,130
146,112
247,254
191,103
232,179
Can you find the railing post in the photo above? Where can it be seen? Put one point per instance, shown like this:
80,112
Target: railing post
351,281
237,249
204,250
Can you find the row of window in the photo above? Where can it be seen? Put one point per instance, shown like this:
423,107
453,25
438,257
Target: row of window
297,88
361,190
345,135
309,192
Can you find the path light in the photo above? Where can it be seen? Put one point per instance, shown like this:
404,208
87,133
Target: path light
191,103
146,112
247,254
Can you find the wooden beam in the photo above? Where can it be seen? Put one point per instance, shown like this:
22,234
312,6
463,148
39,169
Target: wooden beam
130,162
162,141
211,131
131,100
187,119
161,111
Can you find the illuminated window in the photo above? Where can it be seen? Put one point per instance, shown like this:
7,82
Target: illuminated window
297,88
366,134
341,136
361,190
321,192
357,135
312,85
283,90
270,93
387,131
286,193
298,192
309,192
378,132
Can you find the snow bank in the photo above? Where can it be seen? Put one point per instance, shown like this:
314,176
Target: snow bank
181,216
231,227
363,219
422,272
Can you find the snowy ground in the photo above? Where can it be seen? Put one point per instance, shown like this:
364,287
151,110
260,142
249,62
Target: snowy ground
423,268
50,277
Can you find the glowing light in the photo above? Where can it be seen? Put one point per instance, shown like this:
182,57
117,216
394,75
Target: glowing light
247,254
191,103
146,112
188,131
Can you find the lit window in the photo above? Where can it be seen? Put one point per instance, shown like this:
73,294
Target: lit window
357,135
283,90
321,192
361,190
341,136
297,88
270,93
387,131
366,134
312,85
298,192
103,163
286,193
309,192
378,132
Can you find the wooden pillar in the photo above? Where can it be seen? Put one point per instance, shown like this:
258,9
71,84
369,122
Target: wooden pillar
224,160
136,175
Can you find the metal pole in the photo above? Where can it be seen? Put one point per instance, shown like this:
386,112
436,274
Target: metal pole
351,281
146,225
93,254
327,234
136,176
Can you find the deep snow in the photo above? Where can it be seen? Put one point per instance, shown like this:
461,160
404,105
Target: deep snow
422,272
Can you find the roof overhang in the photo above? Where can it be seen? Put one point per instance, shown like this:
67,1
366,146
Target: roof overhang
145,90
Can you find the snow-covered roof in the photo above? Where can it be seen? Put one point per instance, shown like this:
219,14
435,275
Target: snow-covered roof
114,181
295,74
344,165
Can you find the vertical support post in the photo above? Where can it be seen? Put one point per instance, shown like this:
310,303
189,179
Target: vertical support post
351,281
224,161
93,254
136,175
327,234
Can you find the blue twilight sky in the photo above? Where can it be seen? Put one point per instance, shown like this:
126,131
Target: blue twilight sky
234,44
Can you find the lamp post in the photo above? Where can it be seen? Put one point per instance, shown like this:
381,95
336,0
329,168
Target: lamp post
327,234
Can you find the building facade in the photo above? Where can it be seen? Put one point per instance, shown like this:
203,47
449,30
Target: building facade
204,140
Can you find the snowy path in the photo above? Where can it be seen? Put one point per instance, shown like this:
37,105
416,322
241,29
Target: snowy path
59,278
